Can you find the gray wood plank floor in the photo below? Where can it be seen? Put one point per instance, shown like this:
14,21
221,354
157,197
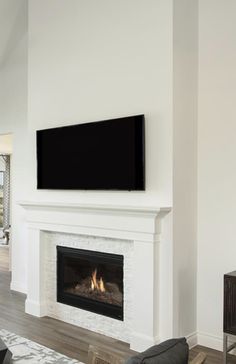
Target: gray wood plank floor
64,338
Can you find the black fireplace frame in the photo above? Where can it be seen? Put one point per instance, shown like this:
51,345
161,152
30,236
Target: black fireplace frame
84,303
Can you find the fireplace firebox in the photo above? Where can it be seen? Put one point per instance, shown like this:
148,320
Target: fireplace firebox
91,280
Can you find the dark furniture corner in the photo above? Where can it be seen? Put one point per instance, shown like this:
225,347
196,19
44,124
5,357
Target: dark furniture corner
5,354
229,312
173,351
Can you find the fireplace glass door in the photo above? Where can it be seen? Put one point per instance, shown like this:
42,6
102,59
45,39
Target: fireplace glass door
90,280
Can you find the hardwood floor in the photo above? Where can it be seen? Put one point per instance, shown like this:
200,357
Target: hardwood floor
64,338
4,258
213,356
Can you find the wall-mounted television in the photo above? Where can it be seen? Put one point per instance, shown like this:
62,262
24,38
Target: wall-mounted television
103,155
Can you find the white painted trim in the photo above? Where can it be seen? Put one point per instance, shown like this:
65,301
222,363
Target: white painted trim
95,208
192,340
70,228
122,222
18,287
35,309
210,341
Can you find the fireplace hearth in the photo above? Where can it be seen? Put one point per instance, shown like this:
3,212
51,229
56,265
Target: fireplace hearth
90,280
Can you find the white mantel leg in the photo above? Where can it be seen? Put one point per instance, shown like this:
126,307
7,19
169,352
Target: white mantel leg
35,302
144,305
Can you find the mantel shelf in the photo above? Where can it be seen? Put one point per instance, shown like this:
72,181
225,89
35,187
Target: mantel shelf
149,210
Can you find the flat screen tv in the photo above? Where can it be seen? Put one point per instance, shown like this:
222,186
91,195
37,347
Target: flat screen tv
103,155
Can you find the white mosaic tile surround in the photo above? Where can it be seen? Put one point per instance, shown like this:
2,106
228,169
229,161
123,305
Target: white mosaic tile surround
105,325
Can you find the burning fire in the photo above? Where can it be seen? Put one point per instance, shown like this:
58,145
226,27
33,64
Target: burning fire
97,284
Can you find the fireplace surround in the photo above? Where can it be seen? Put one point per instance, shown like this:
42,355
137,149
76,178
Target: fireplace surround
132,231
90,280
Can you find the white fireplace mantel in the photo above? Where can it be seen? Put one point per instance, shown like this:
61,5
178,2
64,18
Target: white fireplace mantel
140,226
94,207
115,221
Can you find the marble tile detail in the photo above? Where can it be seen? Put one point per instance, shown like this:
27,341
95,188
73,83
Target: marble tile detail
104,325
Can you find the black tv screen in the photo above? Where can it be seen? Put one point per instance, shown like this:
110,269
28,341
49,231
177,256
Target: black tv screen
104,155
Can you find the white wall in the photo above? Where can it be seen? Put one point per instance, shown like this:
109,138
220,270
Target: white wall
13,119
185,64
92,60
216,162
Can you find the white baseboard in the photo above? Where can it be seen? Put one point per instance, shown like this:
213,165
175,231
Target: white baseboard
192,340
18,287
34,308
210,341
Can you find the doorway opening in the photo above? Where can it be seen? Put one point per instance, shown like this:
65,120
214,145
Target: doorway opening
6,146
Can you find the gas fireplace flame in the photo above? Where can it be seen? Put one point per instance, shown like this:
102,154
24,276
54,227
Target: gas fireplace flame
97,284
